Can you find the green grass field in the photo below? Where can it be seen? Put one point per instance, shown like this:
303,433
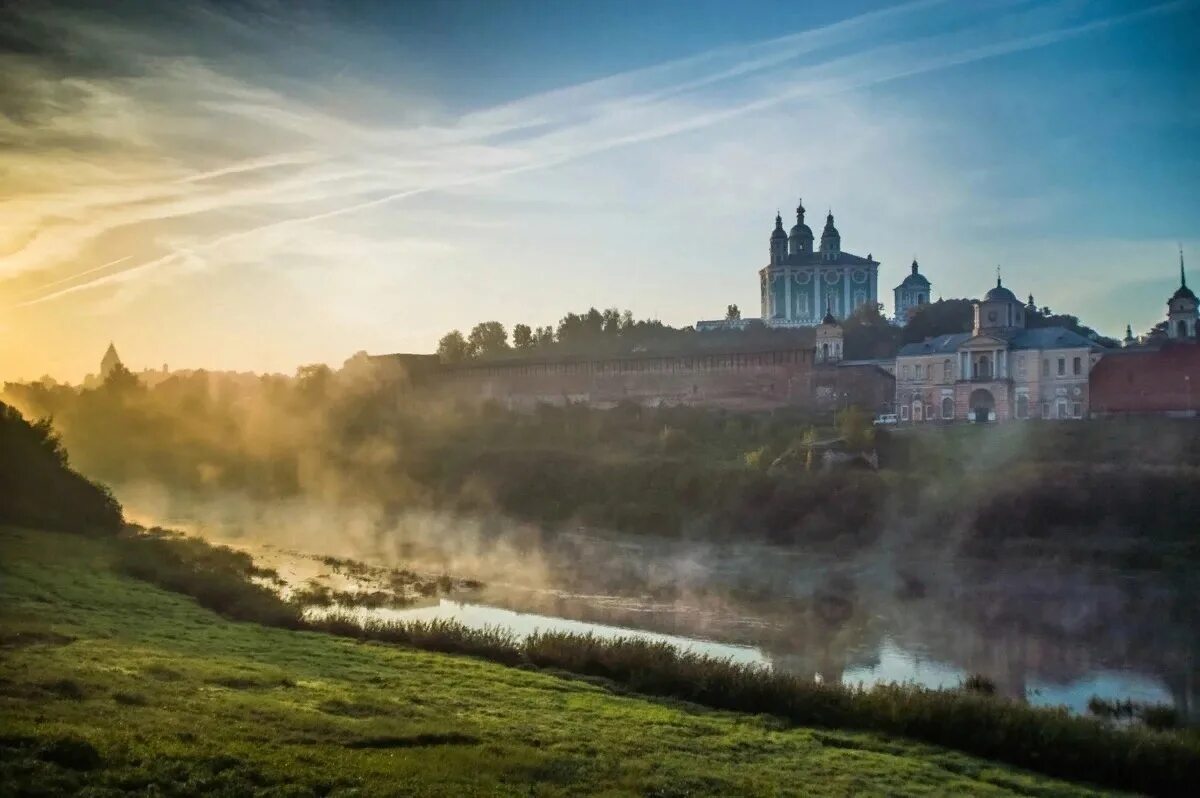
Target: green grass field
109,685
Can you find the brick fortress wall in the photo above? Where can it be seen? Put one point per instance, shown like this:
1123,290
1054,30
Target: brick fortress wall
752,380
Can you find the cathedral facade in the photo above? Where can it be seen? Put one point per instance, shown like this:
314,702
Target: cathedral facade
802,282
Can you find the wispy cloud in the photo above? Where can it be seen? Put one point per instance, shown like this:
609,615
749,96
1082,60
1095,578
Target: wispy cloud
170,158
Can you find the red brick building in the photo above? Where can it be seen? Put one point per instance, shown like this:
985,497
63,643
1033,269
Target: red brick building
1163,380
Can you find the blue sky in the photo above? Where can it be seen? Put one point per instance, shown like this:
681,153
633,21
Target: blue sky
259,185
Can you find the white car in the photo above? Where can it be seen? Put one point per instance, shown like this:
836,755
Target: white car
885,419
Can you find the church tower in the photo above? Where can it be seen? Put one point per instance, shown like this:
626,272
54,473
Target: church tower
779,242
109,362
911,294
800,242
1182,309
831,240
998,310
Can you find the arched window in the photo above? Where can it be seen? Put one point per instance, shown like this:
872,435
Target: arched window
824,351
916,411
947,407
947,370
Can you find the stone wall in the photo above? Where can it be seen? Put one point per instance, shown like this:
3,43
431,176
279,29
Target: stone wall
752,380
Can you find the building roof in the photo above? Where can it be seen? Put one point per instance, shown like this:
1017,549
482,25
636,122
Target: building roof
1000,294
819,259
1017,338
1048,338
915,279
943,344
1183,292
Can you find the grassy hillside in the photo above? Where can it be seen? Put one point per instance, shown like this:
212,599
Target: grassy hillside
110,684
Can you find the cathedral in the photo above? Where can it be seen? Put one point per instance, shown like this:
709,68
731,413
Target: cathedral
802,284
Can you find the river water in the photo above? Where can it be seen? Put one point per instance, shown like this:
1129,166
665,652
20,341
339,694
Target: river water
1047,631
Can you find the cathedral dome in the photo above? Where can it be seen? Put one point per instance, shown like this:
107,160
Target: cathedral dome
1001,294
916,279
800,229
830,231
778,233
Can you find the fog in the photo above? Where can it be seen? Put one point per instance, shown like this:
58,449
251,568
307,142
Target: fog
1036,555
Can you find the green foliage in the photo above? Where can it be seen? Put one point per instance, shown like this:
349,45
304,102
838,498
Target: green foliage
868,335
944,317
453,348
279,683
218,577
523,336
241,709
487,339
38,487
854,425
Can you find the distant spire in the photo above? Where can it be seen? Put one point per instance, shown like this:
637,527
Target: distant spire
1182,275
914,266
800,211
998,275
1128,332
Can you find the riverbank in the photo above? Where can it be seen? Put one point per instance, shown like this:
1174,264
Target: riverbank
108,682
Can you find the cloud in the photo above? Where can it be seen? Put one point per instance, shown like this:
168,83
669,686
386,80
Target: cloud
140,162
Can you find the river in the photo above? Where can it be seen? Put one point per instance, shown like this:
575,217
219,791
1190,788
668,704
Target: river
1045,631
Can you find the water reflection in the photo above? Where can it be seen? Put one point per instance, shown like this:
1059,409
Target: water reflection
869,662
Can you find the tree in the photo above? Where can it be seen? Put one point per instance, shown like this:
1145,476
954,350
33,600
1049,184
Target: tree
544,336
522,336
452,348
943,317
855,427
121,380
487,339
868,335
732,313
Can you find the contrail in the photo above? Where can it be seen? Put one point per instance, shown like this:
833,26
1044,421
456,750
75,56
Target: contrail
870,75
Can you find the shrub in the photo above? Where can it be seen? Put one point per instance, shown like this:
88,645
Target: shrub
217,577
978,683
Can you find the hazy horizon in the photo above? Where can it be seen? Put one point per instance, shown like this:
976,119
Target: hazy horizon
250,186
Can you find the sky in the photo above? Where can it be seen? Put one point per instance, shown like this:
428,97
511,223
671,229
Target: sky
260,185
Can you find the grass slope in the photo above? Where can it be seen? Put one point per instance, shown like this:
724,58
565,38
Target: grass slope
175,700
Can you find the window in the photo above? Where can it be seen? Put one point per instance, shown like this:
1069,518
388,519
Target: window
947,370
1046,367
904,372
1062,366
947,407
1021,366
1077,366
918,367
1022,406
1045,410
1076,410
904,412
916,411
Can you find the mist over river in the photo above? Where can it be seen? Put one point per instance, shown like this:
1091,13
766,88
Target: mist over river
1048,630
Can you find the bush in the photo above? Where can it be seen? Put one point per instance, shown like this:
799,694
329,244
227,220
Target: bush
38,488
217,577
